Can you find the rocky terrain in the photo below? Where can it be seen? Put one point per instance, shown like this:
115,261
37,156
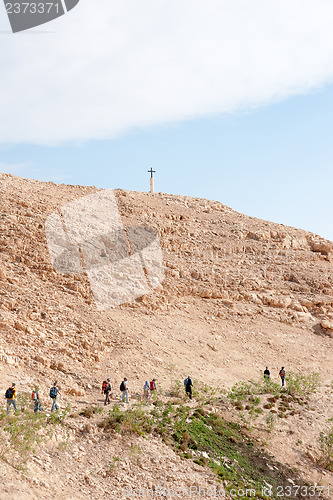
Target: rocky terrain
239,293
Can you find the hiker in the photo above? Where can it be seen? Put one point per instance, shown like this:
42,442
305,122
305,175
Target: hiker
35,398
282,374
146,391
267,373
10,395
54,391
152,386
188,386
106,389
124,390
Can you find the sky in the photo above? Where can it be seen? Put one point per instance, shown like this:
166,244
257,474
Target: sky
226,99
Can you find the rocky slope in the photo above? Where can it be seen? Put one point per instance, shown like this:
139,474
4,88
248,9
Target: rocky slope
239,293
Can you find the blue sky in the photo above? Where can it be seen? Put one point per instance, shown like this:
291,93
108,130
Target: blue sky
226,99
274,162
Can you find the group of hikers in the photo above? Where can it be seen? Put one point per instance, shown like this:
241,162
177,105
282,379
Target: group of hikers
10,396
282,374
149,388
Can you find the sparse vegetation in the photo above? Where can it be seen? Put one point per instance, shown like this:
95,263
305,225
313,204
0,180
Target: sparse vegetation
20,437
240,390
91,410
326,449
198,433
270,421
302,385
204,393
113,465
205,437
21,434
254,398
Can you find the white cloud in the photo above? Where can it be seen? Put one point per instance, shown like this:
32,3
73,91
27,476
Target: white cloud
111,65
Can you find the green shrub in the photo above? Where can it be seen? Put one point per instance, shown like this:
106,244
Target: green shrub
20,438
203,461
132,421
58,417
240,390
267,386
89,411
23,401
302,385
270,420
177,390
326,449
204,393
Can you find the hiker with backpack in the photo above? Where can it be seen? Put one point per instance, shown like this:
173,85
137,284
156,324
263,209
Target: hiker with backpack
124,390
282,374
188,386
146,391
54,391
267,373
10,395
106,389
152,386
36,400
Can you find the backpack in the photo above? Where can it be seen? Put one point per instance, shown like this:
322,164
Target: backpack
152,385
53,392
104,385
9,393
282,373
33,395
185,381
122,386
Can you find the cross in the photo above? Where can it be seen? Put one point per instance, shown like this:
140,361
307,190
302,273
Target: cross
151,171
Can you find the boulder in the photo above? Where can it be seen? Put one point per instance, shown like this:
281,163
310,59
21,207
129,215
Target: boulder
321,246
327,325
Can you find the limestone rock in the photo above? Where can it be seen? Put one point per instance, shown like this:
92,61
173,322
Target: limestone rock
276,300
327,325
322,246
42,360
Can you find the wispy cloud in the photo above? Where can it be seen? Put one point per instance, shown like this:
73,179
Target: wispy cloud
113,65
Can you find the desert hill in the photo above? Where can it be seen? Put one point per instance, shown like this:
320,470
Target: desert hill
239,293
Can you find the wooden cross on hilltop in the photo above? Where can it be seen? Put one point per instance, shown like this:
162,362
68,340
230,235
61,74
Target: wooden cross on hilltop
151,171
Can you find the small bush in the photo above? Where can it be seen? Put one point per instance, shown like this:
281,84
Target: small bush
203,461
21,437
133,421
89,411
326,449
177,390
267,386
302,385
240,390
270,420
203,392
